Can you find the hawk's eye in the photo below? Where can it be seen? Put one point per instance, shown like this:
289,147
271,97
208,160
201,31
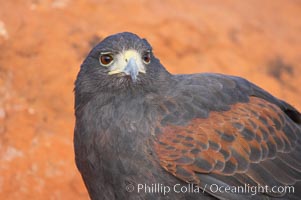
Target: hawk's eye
106,59
146,58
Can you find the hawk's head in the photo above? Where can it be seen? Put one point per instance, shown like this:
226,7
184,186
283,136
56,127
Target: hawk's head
120,61
124,54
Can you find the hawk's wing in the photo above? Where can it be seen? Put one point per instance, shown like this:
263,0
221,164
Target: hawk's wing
223,130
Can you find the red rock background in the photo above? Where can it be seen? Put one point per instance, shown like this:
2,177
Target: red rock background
43,43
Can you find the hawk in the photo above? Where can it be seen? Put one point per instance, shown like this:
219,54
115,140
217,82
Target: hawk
143,133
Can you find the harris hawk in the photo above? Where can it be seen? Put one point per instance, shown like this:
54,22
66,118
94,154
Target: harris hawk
143,133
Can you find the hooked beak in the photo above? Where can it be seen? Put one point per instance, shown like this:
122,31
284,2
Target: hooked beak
132,69
129,63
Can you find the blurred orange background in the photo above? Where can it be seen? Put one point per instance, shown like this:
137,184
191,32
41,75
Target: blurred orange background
43,43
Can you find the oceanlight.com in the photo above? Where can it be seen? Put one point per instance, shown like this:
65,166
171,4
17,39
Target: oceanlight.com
158,188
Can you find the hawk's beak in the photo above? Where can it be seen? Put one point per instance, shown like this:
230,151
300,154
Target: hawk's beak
129,63
132,69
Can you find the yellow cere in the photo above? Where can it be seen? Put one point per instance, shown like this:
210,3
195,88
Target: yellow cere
122,59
